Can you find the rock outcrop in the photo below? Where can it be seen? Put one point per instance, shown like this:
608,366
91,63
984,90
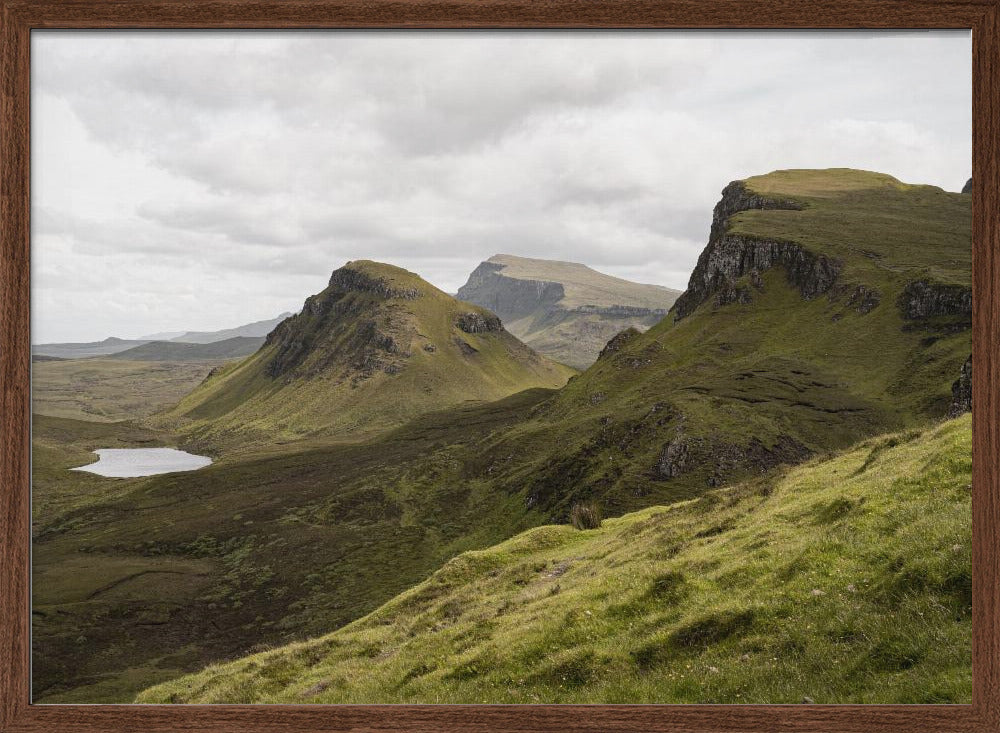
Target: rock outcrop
479,323
348,278
618,342
967,188
674,458
728,258
961,391
921,299
510,298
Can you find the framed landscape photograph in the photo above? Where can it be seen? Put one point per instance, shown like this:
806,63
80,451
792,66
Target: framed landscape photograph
499,366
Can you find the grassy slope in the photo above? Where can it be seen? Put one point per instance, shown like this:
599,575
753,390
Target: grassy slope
245,407
844,580
169,573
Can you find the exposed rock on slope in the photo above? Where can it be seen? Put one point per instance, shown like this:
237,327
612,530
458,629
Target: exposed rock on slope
377,347
961,391
921,300
563,309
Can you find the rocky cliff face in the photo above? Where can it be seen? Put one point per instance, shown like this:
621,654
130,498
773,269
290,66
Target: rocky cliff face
564,310
728,258
736,197
510,298
350,279
344,325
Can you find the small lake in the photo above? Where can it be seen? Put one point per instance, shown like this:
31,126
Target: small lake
131,462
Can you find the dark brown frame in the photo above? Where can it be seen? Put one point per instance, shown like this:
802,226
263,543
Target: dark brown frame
19,17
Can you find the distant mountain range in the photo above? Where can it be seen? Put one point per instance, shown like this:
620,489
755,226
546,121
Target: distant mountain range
231,348
113,345
564,310
253,330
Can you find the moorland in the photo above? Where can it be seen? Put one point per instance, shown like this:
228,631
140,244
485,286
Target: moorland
756,490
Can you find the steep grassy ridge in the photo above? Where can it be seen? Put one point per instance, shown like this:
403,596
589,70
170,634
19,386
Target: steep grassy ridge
779,349
864,219
846,580
378,347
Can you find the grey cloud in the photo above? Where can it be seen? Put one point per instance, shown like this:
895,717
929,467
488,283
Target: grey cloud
259,162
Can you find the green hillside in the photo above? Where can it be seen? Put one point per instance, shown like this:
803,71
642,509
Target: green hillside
141,580
376,348
846,580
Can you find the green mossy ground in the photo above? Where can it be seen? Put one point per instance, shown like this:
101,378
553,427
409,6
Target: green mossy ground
261,551
845,580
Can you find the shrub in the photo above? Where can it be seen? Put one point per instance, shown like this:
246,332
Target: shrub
585,516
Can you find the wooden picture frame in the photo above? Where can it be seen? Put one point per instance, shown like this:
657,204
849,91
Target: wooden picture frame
20,17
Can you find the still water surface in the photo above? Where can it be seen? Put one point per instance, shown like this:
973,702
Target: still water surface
130,462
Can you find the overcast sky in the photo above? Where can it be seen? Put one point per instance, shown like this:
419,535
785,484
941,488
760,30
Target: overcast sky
203,180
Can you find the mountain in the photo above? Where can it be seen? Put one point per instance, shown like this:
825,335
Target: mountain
231,348
967,188
108,346
376,348
250,330
564,310
847,580
828,307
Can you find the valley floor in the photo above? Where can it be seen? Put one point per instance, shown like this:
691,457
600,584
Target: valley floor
843,580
